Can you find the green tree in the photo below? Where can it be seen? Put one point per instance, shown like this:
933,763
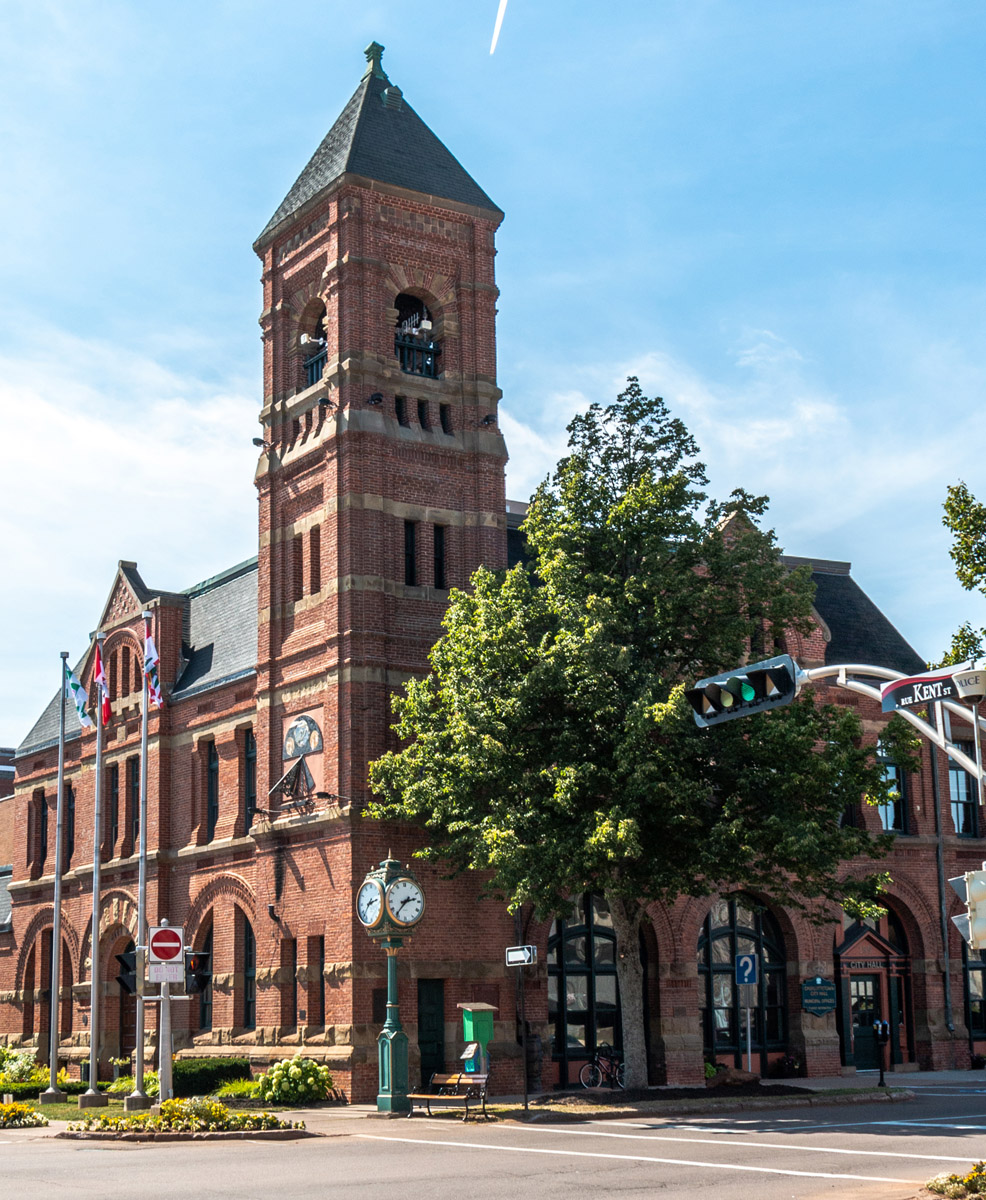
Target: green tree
965,518
551,745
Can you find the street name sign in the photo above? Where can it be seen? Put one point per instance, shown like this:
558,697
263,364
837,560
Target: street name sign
917,690
522,956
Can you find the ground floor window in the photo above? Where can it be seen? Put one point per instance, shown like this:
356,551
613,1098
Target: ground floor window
738,927
974,962
583,996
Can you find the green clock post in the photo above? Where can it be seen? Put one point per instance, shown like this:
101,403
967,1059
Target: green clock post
389,904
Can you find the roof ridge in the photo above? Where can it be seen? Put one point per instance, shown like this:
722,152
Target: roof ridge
213,581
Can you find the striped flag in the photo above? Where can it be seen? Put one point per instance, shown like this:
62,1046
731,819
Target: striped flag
151,661
78,695
102,688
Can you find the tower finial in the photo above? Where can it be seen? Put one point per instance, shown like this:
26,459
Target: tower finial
374,52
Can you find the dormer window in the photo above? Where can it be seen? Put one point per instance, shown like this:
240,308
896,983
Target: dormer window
414,338
313,344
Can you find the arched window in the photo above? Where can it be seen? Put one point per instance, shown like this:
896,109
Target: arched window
738,927
583,997
205,997
249,975
125,670
314,345
415,346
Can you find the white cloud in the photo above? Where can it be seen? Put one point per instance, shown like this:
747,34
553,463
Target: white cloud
109,456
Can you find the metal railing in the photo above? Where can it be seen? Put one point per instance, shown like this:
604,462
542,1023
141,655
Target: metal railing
417,357
314,367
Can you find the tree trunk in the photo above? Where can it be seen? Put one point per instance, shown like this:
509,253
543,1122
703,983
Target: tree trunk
627,919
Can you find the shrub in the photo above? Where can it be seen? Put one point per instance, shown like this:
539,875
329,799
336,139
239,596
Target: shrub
296,1080
204,1076
186,1116
125,1085
20,1066
246,1089
20,1116
958,1186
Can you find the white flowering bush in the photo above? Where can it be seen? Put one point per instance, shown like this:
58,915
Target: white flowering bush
295,1081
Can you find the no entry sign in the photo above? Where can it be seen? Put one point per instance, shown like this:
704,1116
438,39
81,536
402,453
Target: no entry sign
165,944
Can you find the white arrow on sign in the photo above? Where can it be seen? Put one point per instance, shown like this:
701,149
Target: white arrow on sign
521,956
165,944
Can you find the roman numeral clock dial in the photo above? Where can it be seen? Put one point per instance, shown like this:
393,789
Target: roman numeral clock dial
405,902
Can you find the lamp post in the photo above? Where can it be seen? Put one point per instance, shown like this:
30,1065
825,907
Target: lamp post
389,904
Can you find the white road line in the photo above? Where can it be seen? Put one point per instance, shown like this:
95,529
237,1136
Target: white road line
654,1137
669,1162
922,1123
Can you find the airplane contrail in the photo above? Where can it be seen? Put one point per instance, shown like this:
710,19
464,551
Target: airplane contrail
499,21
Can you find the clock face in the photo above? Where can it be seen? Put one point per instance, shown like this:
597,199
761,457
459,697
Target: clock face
405,901
369,903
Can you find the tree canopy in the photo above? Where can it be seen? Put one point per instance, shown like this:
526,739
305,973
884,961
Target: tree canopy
965,517
551,745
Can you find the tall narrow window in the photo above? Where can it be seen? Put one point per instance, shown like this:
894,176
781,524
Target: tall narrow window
212,791
440,557
423,418
115,675
297,567
445,416
410,555
316,981
962,792
289,985
893,816
315,559
249,777
400,408
125,670
42,829
112,807
138,674
205,996
249,976
133,801
69,825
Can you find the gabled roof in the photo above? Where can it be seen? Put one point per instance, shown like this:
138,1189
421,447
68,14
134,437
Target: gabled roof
379,136
222,630
860,631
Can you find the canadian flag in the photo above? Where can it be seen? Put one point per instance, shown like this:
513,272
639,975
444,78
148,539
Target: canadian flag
99,679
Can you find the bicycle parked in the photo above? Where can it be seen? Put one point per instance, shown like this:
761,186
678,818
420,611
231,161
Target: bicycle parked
606,1067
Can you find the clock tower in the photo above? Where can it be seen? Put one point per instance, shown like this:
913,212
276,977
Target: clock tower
381,474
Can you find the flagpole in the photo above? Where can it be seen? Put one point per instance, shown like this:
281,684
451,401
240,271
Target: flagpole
52,1095
94,1098
138,1097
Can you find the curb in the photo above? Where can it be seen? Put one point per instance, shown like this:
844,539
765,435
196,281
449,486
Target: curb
676,1108
153,1135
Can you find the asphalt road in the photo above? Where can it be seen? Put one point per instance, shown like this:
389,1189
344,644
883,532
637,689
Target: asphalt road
874,1151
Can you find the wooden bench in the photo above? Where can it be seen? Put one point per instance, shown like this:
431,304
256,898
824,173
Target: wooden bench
453,1091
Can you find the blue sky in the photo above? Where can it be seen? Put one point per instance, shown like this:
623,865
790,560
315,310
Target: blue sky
771,213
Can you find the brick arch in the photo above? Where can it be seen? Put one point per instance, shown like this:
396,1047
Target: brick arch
306,318
226,885
117,910
434,288
45,919
115,642
658,916
908,903
795,929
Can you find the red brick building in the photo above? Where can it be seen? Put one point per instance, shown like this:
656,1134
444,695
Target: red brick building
381,484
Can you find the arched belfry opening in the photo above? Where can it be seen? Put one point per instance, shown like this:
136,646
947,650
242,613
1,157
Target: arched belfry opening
415,339
312,339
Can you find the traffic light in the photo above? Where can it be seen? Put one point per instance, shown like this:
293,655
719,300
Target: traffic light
756,687
127,979
198,971
971,890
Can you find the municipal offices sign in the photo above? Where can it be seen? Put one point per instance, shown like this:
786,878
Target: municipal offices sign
917,690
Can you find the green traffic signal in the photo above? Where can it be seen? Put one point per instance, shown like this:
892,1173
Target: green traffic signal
758,687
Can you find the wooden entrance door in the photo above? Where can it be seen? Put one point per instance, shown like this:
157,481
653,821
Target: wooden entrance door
865,1005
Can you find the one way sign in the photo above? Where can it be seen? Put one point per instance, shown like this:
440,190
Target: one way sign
522,956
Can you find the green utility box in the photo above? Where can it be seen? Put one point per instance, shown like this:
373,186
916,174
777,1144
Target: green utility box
477,1027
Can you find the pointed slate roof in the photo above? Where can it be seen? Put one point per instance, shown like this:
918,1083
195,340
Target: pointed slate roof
379,136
